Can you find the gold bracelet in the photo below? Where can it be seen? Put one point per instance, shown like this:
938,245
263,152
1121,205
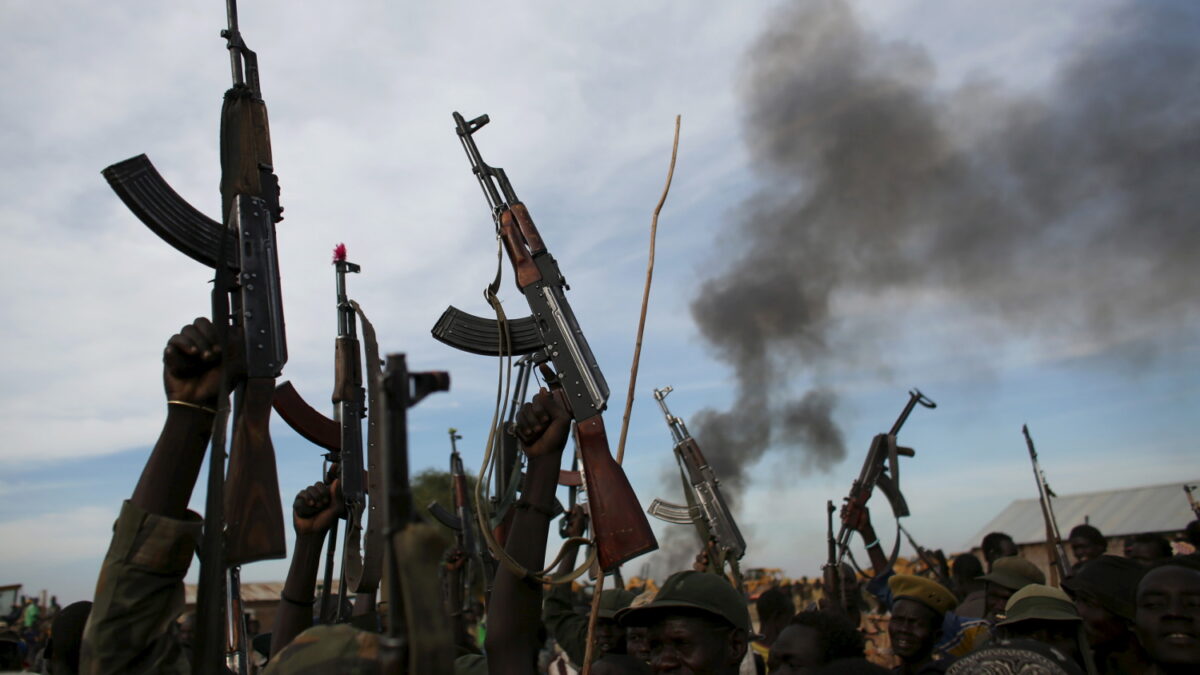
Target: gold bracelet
197,406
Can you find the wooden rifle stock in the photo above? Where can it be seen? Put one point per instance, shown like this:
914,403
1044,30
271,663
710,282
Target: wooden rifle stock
253,510
620,529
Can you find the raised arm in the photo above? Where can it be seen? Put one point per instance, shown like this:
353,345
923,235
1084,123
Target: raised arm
140,591
313,513
514,613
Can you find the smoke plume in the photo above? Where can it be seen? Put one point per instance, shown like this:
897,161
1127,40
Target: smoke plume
1064,216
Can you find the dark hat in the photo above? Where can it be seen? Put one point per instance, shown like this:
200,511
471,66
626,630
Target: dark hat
1111,581
925,591
1013,657
1037,601
707,593
614,600
1014,573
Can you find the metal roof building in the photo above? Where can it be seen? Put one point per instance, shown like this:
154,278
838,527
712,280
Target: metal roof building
1116,513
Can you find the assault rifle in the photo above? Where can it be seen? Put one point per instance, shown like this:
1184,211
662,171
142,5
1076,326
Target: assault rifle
552,334
831,571
342,437
243,511
418,638
881,469
1054,543
480,563
507,473
706,507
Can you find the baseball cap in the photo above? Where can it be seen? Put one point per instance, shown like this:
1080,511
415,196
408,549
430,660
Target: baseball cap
692,590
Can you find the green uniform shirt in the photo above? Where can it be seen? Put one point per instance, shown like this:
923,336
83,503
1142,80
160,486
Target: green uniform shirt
139,594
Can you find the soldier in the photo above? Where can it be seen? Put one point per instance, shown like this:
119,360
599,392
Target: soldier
1168,618
1087,544
1104,591
813,639
697,623
918,608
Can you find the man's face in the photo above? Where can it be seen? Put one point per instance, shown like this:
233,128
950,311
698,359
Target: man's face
687,645
610,637
1004,549
1168,615
1085,549
913,630
797,651
1144,553
1102,626
994,599
637,642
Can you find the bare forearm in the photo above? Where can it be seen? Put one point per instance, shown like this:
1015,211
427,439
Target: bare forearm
879,561
296,607
515,609
165,487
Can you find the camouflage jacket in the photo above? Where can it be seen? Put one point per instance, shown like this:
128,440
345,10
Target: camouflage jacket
139,595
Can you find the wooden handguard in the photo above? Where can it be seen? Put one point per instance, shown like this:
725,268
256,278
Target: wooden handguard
514,243
619,524
528,229
347,370
253,511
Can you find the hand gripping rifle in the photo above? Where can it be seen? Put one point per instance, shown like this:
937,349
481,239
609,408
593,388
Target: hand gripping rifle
551,334
706,508
1054,543
342,437
418,638
243,511
881,469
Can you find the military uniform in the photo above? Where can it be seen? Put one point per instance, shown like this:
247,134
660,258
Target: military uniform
140,594
568,627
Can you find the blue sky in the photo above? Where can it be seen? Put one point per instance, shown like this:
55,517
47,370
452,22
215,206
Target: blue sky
582,101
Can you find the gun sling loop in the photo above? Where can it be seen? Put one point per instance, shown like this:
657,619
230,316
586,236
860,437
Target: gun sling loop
482,514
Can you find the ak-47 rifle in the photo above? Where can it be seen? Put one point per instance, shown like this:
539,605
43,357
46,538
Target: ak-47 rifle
832,569
243,511
507,471
1054,542
342,437
467,540
706,508
552,334
935,561
418,638
881,469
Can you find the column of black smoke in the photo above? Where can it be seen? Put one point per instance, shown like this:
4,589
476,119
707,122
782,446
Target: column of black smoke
1066,215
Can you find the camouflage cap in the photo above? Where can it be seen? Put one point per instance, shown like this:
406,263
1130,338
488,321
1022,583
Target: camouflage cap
614,600
692,590
1014,573
1037,601
925,591
339,648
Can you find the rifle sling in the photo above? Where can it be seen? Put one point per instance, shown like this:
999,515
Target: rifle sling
372,562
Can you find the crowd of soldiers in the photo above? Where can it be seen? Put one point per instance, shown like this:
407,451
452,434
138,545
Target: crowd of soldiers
1138,613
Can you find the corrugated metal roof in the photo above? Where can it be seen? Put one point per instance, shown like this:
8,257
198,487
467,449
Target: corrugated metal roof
252,591
1116,513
